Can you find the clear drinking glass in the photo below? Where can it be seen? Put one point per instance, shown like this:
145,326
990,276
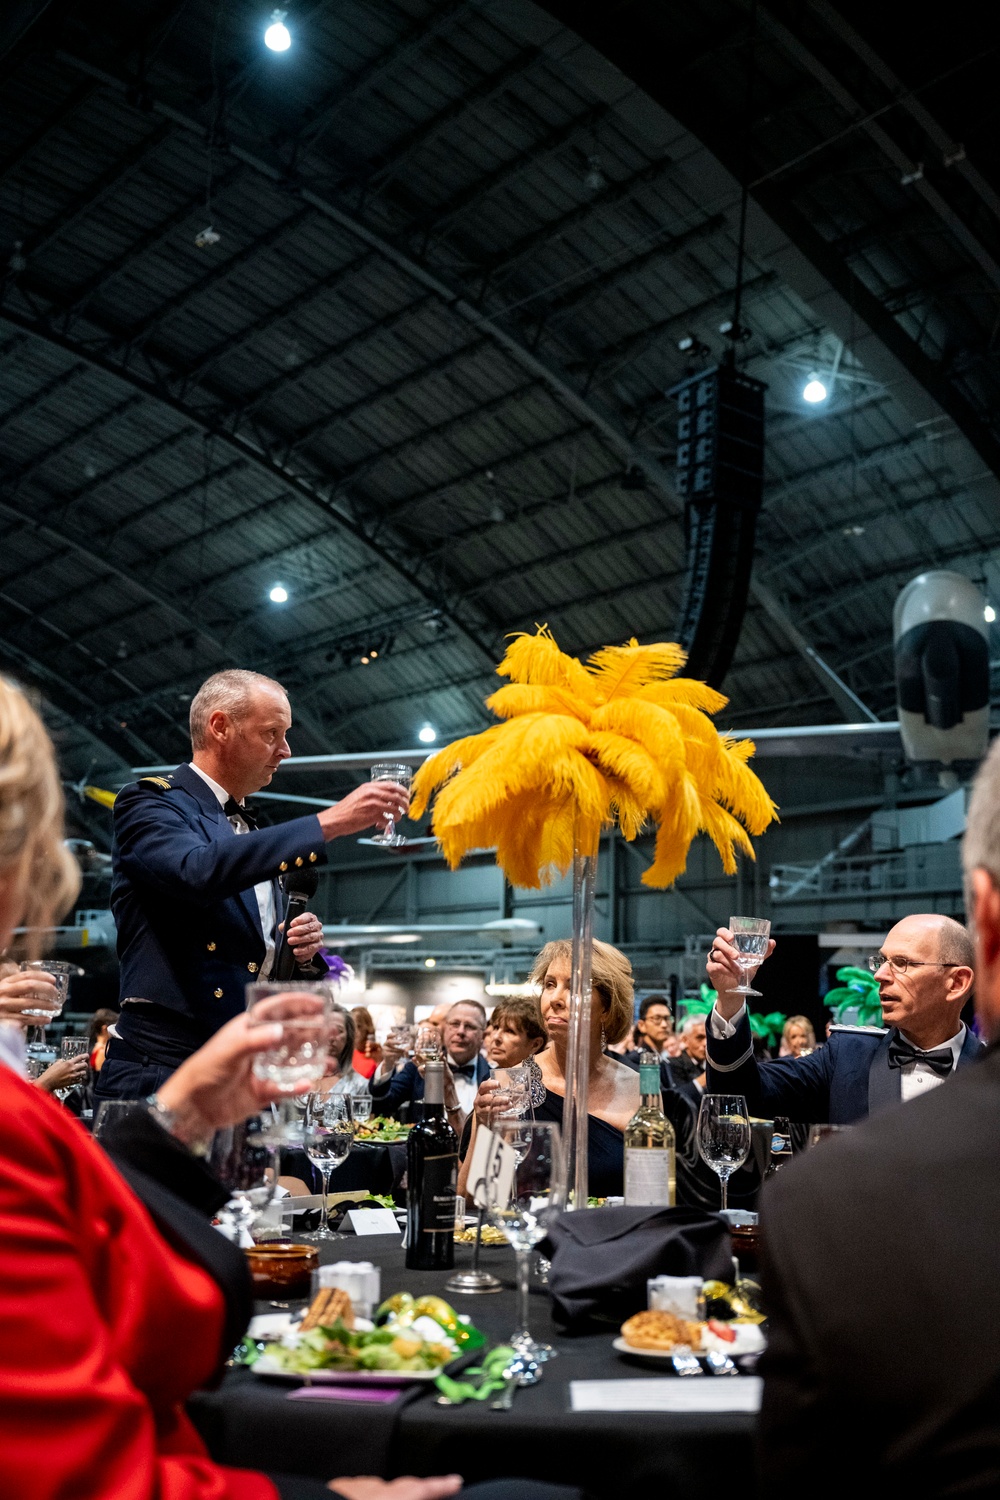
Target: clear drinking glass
429,1045
400,776
72,1046
303,1011
535,1201
245,1159
750,936
327,1137
724,1136
109,1111
361,1108
61,973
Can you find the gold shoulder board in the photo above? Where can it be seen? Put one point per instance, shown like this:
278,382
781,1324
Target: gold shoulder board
160,782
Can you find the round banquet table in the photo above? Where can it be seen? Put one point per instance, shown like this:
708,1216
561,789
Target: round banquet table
252,1422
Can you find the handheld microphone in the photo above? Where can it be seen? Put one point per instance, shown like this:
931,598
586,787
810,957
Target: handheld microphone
299,887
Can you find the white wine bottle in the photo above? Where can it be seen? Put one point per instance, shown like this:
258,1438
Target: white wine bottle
650,1144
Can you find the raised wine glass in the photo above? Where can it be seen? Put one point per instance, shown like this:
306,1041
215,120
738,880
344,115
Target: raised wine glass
526,1215
750,935
399,776
71,1046
328,1137
38,1050
298,1058
724,1136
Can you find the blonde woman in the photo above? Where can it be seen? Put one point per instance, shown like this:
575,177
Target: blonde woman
613,1088
798,1038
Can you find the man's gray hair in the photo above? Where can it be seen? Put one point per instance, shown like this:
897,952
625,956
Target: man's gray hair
981,844
690,1022
230,692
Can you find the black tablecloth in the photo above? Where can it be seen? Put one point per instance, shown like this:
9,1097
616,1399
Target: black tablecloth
250,1422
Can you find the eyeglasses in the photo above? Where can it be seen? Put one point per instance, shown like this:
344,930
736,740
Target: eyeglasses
900,965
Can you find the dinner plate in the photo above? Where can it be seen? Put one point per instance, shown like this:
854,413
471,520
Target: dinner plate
749,1340
346,1377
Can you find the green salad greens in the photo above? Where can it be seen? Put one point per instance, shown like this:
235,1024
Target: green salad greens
340,1348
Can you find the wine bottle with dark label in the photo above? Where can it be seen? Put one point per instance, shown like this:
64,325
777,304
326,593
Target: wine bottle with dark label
650,1144
431,1181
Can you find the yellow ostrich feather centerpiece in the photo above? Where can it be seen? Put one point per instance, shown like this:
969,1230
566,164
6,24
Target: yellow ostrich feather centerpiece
622,739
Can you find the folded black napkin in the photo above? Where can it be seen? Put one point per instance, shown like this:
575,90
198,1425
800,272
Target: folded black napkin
602,1257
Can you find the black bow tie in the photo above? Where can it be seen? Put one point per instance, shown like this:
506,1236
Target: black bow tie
234,809
467,1070
901,1052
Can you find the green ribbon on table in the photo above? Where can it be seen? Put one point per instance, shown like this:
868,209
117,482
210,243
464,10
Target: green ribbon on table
491,1373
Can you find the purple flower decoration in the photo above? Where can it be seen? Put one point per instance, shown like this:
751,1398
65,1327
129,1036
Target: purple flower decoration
337,968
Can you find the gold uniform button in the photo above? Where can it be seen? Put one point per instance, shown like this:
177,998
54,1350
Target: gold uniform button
252,968
217,994
283,866
312,859
299,861
210,947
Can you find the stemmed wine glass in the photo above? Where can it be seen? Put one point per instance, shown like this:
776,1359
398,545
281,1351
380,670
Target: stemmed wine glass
299,1056
328,1137
400,776
37,1048
525,1215
750,935
72,1046
361,1109
429,1045
724,1136
245,1160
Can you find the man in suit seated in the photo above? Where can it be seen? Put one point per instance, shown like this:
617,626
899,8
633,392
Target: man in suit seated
463,1031
654,1026
880,1270
195,889
925,977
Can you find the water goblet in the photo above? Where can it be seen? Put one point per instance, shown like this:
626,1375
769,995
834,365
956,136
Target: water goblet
525,1215
72,1046
361,1109
245,1160
327,1137
401,776
723,1135
750,936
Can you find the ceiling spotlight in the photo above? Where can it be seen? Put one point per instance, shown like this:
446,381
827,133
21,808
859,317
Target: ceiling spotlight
365,661
595,178
277,36
374,654
814,391
989,614
279,594
427,735
430,963
853,531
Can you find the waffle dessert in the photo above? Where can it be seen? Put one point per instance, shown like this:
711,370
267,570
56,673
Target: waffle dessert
662,1331
329,1304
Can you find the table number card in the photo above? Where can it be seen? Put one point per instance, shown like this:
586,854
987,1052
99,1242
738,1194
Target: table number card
737,1393
373,1221
491,1170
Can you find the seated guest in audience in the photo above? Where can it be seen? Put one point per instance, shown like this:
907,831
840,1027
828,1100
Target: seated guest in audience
340,1076
614,1088
689,1064
797,1037
367,1052
880,1268
924,974
463,1030
655,1024
117,1297
516,1034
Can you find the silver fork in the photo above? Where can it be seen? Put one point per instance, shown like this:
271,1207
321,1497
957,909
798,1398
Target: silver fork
720,1364
686,1363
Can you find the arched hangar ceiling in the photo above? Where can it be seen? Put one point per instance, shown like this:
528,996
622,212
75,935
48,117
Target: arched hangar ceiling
416,373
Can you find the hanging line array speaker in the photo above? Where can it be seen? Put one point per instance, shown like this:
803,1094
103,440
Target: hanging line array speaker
720,475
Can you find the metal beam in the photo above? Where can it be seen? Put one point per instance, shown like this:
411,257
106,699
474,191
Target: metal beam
845,697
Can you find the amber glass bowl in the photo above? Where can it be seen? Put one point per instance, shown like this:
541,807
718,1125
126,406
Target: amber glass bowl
281,1268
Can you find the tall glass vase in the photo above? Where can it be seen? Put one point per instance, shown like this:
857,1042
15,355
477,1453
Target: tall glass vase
578,1048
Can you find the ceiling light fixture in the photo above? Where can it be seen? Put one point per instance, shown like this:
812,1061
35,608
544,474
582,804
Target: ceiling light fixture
277,36
278,594
814,391
989,614
430,963
427,735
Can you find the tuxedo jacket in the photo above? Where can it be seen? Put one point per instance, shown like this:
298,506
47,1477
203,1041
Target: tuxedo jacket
882,1371
407,1086
846,1080
189,931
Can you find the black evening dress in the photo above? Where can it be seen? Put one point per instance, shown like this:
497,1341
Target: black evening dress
605,1149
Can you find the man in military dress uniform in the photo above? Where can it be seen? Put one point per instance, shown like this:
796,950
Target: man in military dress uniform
195,890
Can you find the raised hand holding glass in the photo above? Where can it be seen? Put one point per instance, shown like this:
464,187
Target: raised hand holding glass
401,776
750,938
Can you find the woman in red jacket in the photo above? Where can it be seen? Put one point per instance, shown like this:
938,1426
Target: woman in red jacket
107,1321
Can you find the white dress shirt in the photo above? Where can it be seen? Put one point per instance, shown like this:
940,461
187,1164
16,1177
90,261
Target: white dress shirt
264,891
915,1078
466,1089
